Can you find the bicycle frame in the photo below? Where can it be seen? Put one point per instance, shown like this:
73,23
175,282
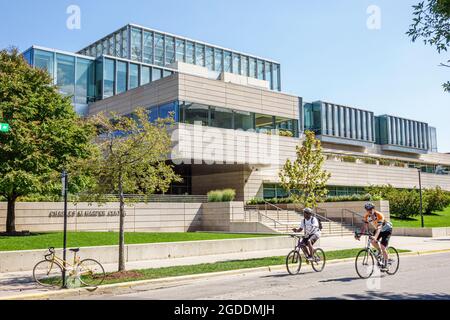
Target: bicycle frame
63,264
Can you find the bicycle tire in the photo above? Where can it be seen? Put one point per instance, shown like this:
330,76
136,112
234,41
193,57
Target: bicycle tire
368,261
91,272
319,255
295,259
52,275
393,252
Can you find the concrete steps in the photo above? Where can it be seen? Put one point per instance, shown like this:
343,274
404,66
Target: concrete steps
284,221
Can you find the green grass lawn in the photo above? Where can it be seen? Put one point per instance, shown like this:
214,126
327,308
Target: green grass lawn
437,220
89,239
148,274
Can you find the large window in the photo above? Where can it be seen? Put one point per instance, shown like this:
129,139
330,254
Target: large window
134,76
44,60
264,123
189,52
287,127
244,66
148,47
209,58
118,37
194,113
276,77
108,78
169,110
156,74
146,76
121,77
227,63
200,55
65,76
252,68
111,46
180,54
243,120
218,56
260,69
136,44
159,49
124,44
170,50
268,73
221,118
84,82
236,64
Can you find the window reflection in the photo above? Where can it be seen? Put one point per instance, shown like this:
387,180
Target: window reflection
221,118
194,112
121,77
65,68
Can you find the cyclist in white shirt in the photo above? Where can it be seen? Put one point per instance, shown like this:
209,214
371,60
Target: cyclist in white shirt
311,227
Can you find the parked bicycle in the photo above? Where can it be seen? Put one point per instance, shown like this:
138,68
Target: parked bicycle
294,258
366,258
49,272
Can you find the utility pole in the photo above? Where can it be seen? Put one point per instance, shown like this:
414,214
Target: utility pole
421,198
64,179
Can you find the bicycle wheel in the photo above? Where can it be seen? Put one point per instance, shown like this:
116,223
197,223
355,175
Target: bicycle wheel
318,264
91,273
364,264
48,274
294,262
393,261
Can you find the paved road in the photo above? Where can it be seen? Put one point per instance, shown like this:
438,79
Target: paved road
420,277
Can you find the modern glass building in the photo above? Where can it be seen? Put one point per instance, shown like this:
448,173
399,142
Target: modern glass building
162,49
340,124
399,134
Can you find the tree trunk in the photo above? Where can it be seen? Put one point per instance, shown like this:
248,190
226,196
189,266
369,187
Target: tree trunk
121,227
11,216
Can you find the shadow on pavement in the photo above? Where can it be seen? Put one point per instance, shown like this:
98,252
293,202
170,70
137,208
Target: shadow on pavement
372,295
348,279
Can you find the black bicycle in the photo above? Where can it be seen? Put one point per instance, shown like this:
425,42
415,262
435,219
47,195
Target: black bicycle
368,257
294,258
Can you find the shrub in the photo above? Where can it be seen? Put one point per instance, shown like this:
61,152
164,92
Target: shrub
384,162
226,195
369,161
436,200
285,133
349,159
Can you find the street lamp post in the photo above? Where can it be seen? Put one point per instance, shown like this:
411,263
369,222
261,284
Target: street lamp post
64,179
421,197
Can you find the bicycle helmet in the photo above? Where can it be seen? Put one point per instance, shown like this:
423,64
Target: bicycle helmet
308,211
369,206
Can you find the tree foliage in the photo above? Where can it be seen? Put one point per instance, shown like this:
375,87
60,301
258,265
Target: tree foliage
304,178
431,23
133,159
46,134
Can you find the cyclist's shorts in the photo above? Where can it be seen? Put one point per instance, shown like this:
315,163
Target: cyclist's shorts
313,238
385,236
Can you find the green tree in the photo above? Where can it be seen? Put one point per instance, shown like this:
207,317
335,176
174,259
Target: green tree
46,134
304,177
133,160
431,23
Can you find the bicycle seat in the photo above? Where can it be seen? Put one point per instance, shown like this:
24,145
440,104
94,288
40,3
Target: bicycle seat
75,250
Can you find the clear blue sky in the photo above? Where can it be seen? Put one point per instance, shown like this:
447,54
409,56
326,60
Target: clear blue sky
325,48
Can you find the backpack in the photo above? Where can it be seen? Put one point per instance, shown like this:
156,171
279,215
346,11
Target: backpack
320,222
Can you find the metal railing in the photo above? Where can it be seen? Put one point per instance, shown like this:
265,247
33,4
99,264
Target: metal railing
142,198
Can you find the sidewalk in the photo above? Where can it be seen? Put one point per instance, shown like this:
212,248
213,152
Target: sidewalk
22,283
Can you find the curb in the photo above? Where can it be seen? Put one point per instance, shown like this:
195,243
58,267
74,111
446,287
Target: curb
167,281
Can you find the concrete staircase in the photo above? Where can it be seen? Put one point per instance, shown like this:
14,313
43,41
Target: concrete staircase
283,221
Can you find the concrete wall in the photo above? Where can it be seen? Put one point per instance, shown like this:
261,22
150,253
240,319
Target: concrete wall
25,260
218,216
140,217
422,232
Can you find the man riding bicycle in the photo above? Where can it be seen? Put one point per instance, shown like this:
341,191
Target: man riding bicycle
383,230
312,232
